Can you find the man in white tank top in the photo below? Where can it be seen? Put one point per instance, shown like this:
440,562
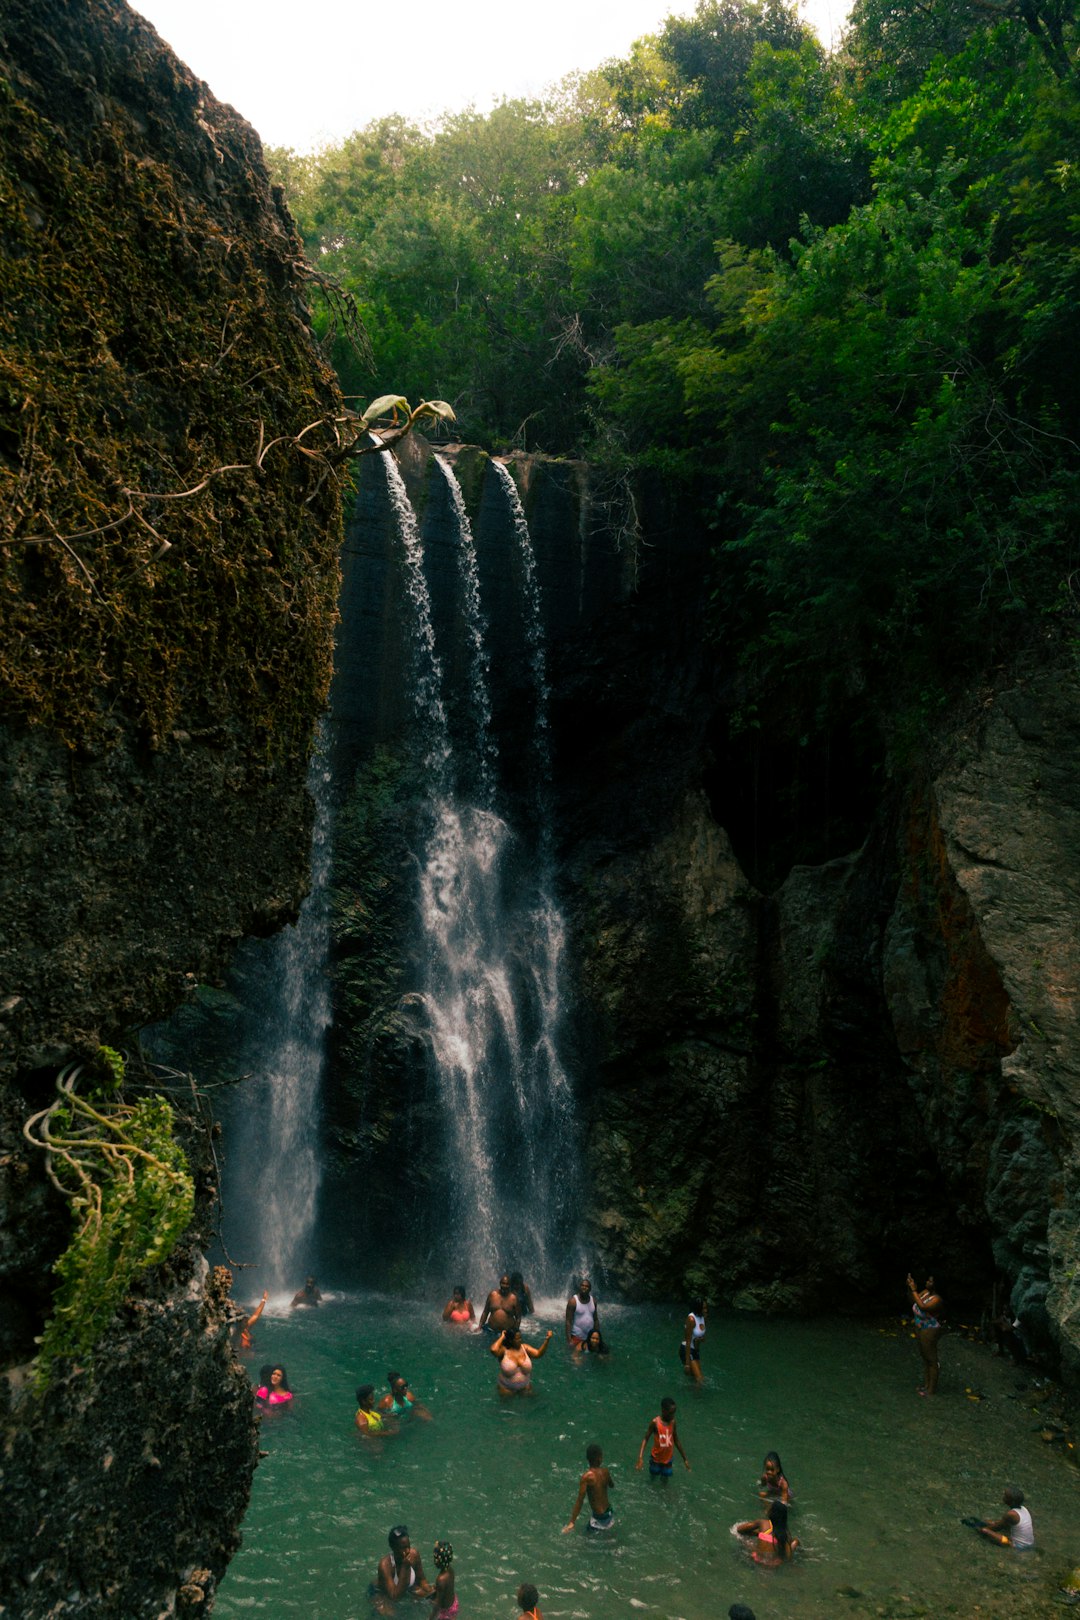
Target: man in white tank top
582,1315
1014,1528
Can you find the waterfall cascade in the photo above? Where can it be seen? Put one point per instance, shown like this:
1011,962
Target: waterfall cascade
278,1149
491,941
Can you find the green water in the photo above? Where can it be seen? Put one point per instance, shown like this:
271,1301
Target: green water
880,1476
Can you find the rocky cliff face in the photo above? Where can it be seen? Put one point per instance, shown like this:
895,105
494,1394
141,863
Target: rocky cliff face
168,569
870,1069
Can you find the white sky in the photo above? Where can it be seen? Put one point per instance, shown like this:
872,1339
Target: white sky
304,75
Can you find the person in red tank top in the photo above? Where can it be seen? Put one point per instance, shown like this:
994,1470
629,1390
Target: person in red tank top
664,1433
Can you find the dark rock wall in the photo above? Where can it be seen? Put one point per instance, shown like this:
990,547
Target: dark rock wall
163,658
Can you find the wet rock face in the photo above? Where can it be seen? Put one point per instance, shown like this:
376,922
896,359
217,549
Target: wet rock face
983,963
800,1096
162,664
123,1492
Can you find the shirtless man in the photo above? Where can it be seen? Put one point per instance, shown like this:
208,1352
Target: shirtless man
595,1483
310,1294
401,1573
501,1308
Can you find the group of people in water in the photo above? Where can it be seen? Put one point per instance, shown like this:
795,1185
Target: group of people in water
400,1572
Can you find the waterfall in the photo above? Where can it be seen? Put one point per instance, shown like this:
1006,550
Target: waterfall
491,940
290,1063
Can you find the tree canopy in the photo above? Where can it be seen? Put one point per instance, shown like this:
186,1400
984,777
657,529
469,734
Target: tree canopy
837,295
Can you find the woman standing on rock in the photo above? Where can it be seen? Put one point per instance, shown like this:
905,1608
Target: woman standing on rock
925,1304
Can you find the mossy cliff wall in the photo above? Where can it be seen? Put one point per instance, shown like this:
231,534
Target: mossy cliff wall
163,658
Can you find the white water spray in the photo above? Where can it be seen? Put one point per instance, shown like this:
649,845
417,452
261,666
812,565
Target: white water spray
492,941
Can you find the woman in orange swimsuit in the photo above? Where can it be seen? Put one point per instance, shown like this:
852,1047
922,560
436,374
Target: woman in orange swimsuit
458,1308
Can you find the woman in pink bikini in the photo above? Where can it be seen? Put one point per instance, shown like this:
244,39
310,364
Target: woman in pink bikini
273,1387
458,1308
775,1543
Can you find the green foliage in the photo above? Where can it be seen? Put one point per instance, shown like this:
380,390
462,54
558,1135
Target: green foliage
131,1196
840,296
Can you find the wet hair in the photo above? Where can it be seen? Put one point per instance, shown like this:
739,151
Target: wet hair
267,1371
667,1405
399,1533
443,1555
600,1348
697,1306
512,1333
365,1394
517,1282
593,1455
773,1457
1014,1496
739,1611
459,1289
264,1373
527,1595
778,1520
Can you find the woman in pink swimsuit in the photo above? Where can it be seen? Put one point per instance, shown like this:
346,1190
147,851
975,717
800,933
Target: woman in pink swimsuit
273,1387
515,1361
775,1543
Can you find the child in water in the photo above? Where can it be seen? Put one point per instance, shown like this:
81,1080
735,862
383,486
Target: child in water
772,1486
596,1481
528,1602
664,1432
776,1544
444,1597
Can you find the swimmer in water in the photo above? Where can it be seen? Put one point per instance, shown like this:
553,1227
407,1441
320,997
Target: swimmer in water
664,1432
401,1402
528,1602
515,1361
776,1544
502,1308
273,1387
595,1483
247,1338
369,1420
444,1597
596,1344
458,1308
400,1572
310,1294
772,1486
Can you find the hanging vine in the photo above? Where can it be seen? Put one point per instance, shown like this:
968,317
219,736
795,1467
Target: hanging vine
130,1192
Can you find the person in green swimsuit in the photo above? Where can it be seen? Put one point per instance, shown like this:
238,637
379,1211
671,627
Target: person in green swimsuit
401,1402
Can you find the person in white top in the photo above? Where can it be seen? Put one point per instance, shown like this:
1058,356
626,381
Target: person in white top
582,1315
1014,1528
693,1333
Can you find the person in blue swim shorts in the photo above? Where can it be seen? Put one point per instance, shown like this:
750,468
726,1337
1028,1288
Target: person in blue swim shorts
595,1483
664,1433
